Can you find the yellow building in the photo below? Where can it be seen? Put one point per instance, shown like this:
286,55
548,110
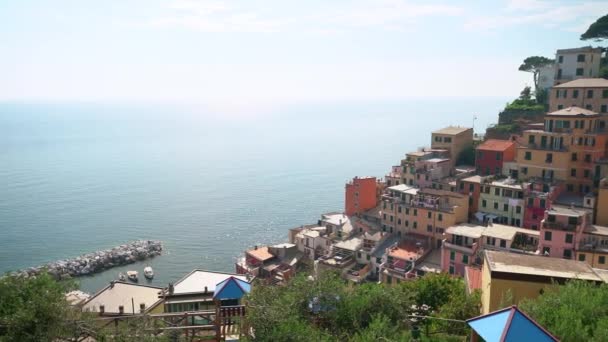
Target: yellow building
453,139
507,278
568,148
593,246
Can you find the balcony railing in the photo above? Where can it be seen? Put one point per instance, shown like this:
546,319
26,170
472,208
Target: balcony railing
560,226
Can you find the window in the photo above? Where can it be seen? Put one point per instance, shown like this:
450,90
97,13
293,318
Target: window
589,107
407,223
531,139
560,107
484,203
415,212
575,93
465,259
528,155
369,257
505,207
399,221
580,58
429,228
559,74
549,158
452,255
590,94
518,210
586,173
498,156
497,191
581,257
574,157
391,218
567,253
548,236
587,158
569,238
605,94
542,203
546,250
524,170
407,211
440,217
503,243
602,259
495,205
429,214
603,109
447,140
415,225
573,172
579,71
451,269
399,209
560,59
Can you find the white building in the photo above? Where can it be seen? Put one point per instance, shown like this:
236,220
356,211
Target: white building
571,64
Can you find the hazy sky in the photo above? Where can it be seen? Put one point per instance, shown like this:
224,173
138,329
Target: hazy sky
226,51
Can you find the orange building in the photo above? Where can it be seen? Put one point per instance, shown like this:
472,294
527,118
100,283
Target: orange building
361,195
569,147
492,154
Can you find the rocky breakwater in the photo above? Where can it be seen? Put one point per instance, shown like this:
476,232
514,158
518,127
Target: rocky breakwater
99,261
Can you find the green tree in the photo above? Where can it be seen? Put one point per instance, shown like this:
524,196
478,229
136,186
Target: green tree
576,311
533,64
35,309
597,31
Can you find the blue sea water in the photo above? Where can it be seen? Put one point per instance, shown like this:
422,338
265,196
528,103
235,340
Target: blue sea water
76,178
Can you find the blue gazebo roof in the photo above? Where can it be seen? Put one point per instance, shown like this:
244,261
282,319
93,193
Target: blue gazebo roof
509,324
231,288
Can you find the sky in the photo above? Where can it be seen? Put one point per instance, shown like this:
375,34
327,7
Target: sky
278,51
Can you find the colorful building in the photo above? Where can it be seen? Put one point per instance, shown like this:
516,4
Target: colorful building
121,298
501,201
492,154
452,139
561,229
539,195
517,276
592,246
399,261
588,93
471,186
569,148
601,217
361,194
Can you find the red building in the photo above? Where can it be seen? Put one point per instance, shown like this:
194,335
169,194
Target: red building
361,195
491,155
539,196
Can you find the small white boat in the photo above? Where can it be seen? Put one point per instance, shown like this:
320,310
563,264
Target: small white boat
132,275
121,276
148,272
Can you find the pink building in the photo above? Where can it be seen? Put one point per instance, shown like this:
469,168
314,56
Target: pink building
538,196
561,229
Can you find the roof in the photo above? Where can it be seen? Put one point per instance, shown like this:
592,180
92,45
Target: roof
508,183
466,229
566,211
495,145
514,263
375,236
584,83
406,250
197,280
231,288
381,249
76,297
452,130
431,263
501,231
596,230
573,111
437,192
351,244
473,179
509,324
260,253
472,277
400,187
123,294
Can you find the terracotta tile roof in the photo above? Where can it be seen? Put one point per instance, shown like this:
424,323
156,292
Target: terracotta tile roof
495,145
585,82
261,253
573,111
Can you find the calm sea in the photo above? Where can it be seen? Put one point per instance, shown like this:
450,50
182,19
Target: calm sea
76,178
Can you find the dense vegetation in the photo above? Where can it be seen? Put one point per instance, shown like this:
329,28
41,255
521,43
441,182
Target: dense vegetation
367,312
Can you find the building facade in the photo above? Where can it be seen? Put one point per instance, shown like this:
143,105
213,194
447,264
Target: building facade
587,93
572,64
492,154
501,201
452,139
361,195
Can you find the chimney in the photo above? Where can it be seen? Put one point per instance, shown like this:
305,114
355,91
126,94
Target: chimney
121,309
142,307
102,309
206,289
171,288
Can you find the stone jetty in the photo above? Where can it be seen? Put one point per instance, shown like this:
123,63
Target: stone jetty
98,261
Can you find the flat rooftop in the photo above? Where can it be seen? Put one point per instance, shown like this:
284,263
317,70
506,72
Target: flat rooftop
473,179
407,250
260,253
514,263
452,130
596,230
351,244
566,211
125,295
573,111
466,229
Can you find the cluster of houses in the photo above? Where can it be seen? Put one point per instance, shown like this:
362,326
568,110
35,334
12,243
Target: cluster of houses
532,210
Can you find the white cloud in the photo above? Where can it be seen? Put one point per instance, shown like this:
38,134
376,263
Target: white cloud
545,14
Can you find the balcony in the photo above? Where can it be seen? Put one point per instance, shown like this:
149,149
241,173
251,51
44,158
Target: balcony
535,146
468,249
560,226
592,246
